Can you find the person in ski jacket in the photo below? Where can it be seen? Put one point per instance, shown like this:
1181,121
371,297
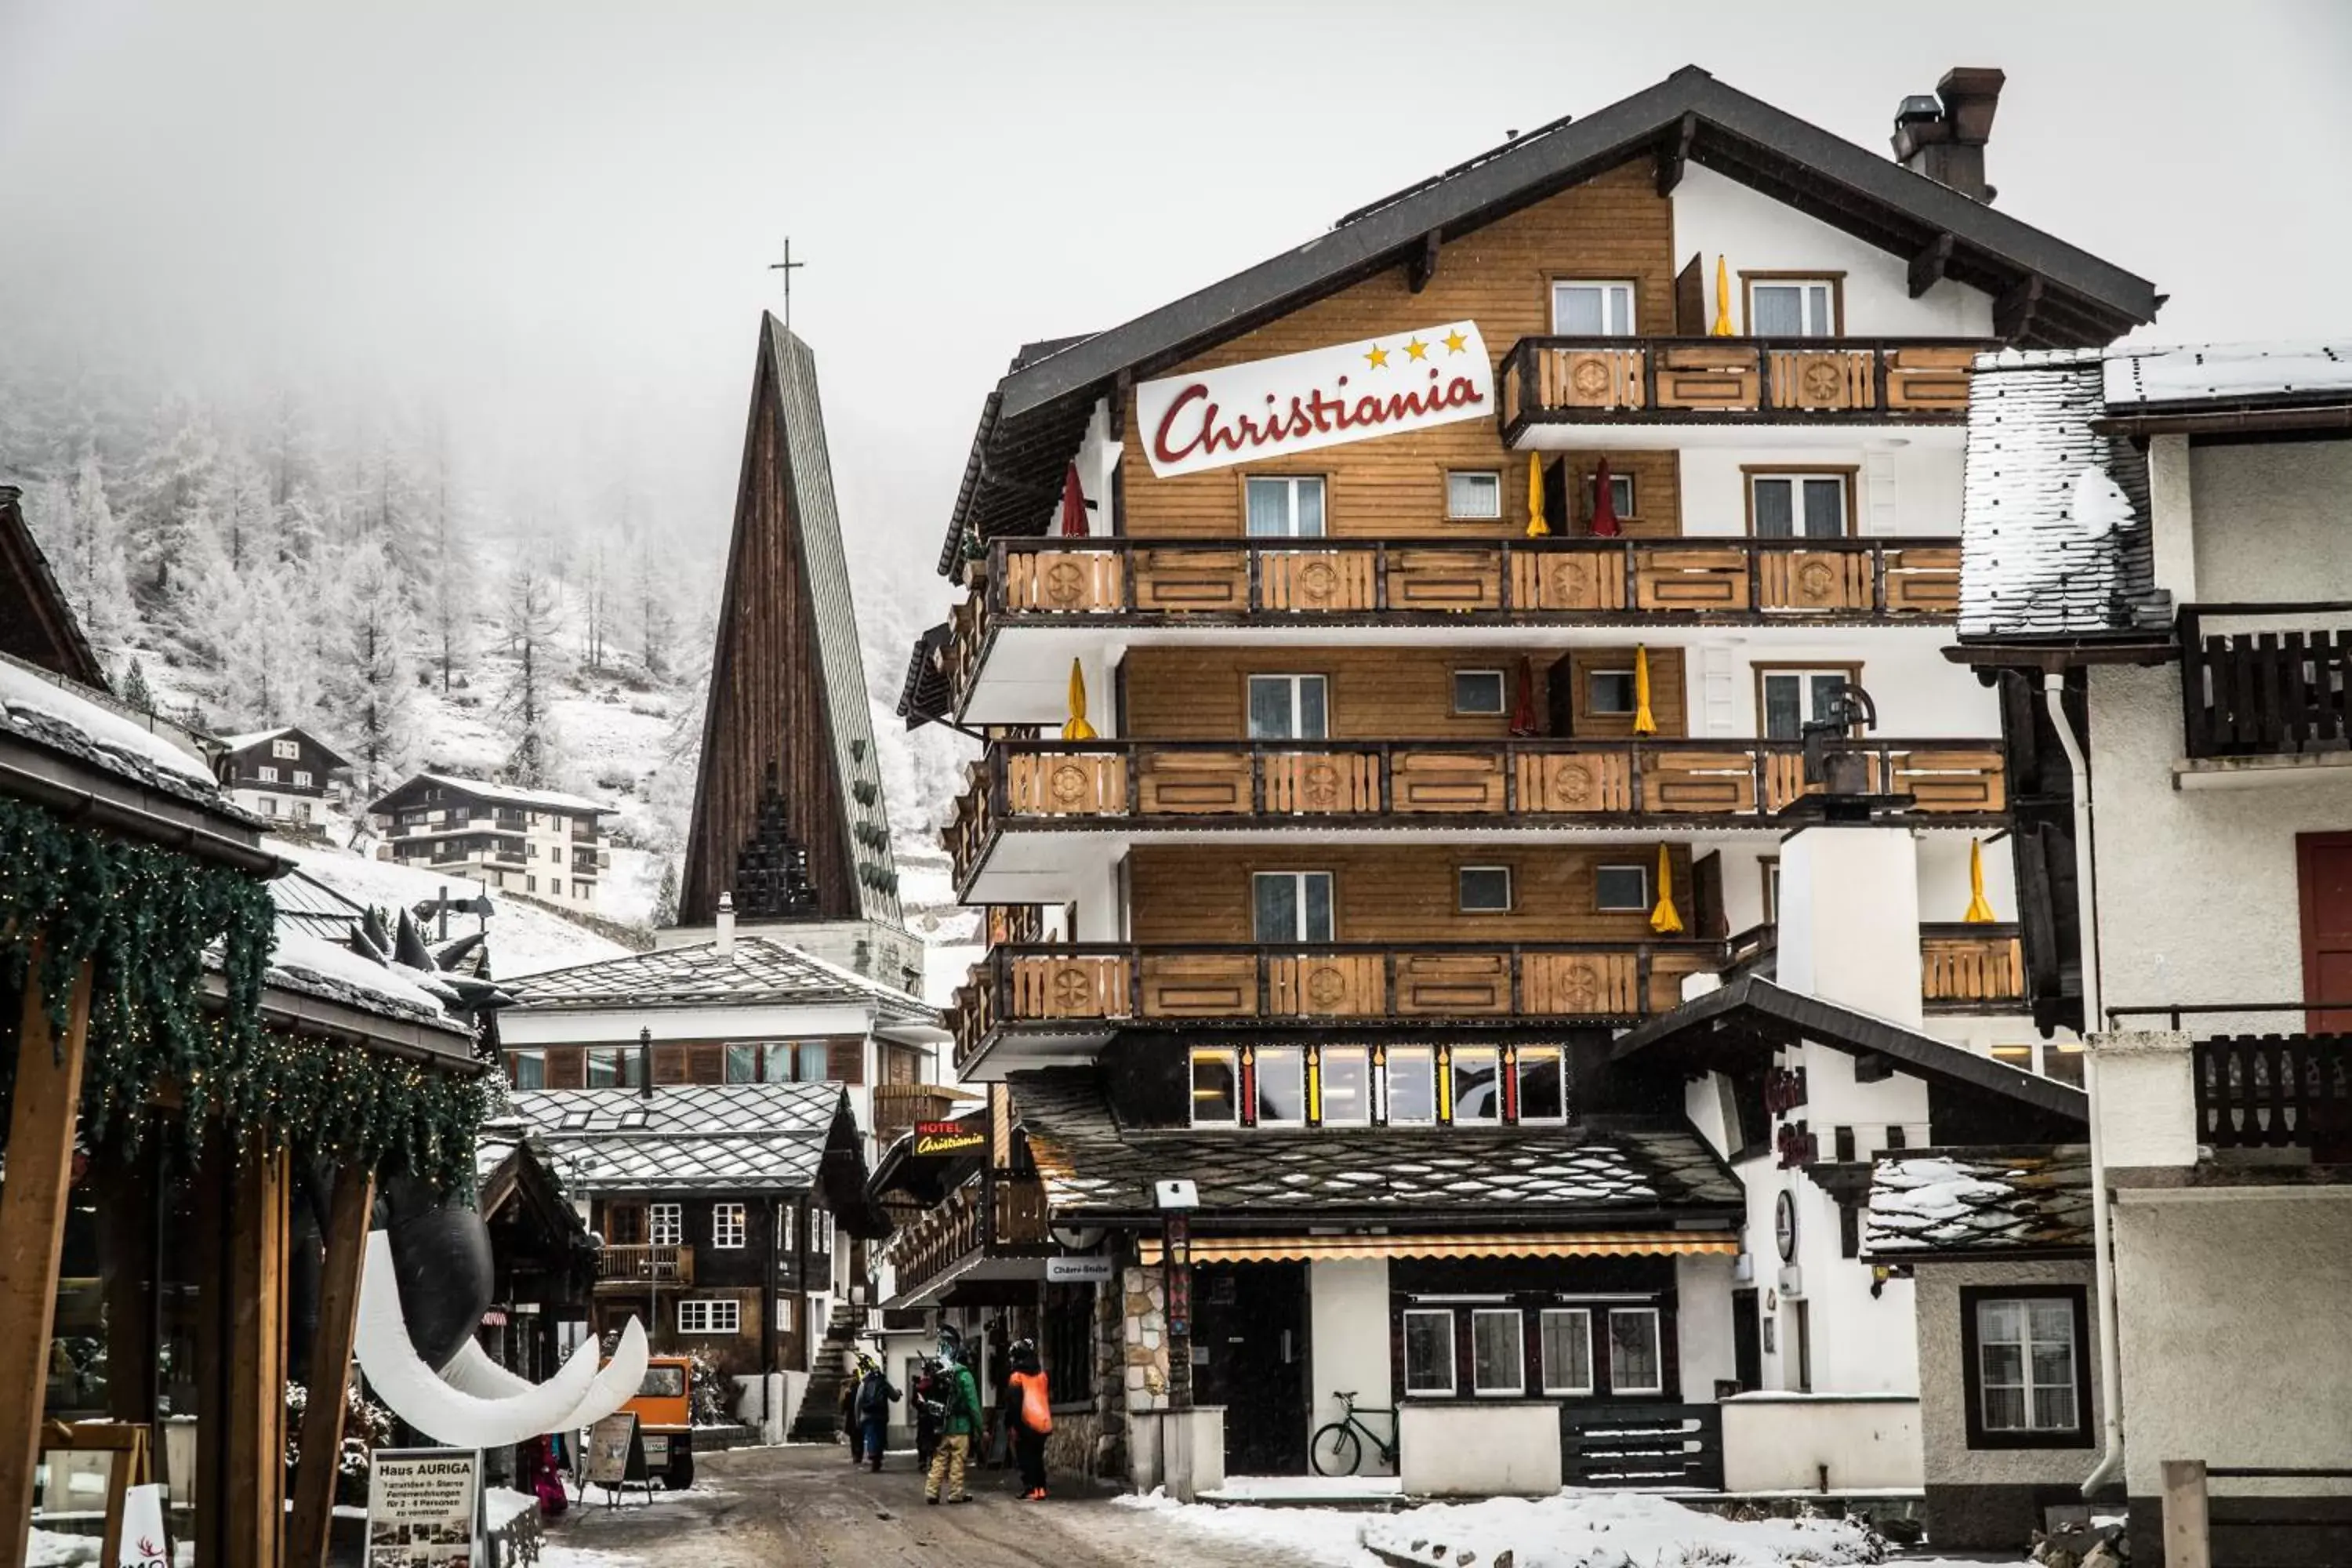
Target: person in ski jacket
928,1392
1029,1411
958,1423
875,1394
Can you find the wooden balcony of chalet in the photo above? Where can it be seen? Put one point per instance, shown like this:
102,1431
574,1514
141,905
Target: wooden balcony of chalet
2270,1082
2271,682
1734,381
995,1213
636,1266
1135,585
1188,785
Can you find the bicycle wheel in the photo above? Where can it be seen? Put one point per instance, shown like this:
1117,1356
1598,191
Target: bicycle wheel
1336,1450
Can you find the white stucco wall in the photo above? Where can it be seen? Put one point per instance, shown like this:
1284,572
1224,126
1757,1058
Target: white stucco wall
2147,1108
1497,1448
1942,1409
1347,1343
1920,694
1850,918
1791,1442
1703,1325
1861,1344
1714,215
1906,485
2231,1311
2270,521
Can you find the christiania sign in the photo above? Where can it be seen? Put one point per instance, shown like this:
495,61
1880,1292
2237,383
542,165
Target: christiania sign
1323,397
948,1137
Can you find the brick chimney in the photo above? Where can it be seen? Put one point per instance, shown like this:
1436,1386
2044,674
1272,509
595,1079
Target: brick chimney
1944,136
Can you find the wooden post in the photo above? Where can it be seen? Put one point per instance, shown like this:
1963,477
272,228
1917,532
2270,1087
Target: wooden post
330,1365
2186,1544
32,1230
251,1481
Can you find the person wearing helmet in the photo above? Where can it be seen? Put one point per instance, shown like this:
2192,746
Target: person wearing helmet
958,1421
875,1394
1029,1406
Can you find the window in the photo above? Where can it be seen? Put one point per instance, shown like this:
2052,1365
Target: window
1478,1084
793,1061
709,1315
1480,691
583,889
1285,508
1621,494
1475,496
1498,1357
1792,307
530,1069
1567,1345
668,1224
531,884
2062,1061
266,806
625,1224
1542,1084
1592,309
1636,1365
1291,906
2028,1381
1789,700
1620,888
1286,708
727,1224
1281,1086
1216,1089
301,810
743,1064
265,773
1411,1085
1798,506
1068,1320
286,749
1429,1351
1483,889
1347,1084
1608,691
1770,867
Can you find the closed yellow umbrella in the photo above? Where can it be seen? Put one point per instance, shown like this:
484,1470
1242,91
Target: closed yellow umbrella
1644,721
1537,526
1664,920
1078,729
1722,298
1979,908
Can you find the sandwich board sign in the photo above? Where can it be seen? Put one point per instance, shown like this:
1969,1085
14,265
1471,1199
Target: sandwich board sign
616,1455
424,1508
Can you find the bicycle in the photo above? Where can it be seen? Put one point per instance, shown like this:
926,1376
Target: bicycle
1337,1450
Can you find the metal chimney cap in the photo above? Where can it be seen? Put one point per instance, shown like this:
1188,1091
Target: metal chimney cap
1919,106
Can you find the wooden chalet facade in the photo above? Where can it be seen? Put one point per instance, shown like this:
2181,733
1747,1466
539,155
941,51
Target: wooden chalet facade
1399,664
283,775
541,843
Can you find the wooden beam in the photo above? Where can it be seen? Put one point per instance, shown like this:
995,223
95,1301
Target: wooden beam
1673,153
331,1366
32,1230
1121,385
1929,264
251,1483
1423,267
2013,312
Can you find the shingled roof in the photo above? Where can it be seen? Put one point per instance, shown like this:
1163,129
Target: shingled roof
761,973
1093,1166
1967,1202
734,1137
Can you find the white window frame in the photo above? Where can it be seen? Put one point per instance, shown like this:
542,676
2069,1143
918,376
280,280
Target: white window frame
1454,510
1807,326
1296,1055
1453,1064
1619,484
302,778
709,1315
1462,893
2025,1344
1554,1055
1502,694
664,1224
1648,900
727,1226
286,749
265,773
1612,291
1231,1057
1331,905
1518,1384
1804,676
1453,1375
1291,485
1552,1387
1298,685
1797,479
1426,1059
1657,1349
1363,1116
266,806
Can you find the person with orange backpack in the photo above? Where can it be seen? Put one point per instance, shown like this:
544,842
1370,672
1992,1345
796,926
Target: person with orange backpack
1031,1415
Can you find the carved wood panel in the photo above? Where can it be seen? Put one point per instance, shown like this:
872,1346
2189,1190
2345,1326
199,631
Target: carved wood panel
1815,579
1575,781
1691,580
1567,580
1923,582
1063,581
1214,581
1823,378
1322,783
1337,984
1325,580
1071,986
1721,781
1199,985
1952,781
1928,379
1971,969
1445,580
1579,984
1446,782
1194,783
1708,376
1589,378
1459,984
1065,784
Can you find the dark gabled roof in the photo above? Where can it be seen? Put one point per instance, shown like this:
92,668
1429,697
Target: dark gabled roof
1728,1028
489,790
235,744
1031,422
924,697
761,973
1092,1165
712,1137
1980,1203
36,624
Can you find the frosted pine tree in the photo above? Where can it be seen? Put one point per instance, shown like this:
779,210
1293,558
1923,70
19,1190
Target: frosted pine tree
371,678
78,529
531,621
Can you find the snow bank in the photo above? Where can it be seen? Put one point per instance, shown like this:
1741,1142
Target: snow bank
1605,1530
43,707
1316,1534
1929,1201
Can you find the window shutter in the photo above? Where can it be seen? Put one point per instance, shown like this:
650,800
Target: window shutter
1690,302
844,1061
669,1064
706,1064
565,1068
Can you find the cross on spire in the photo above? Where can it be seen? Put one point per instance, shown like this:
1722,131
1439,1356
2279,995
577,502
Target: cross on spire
787,266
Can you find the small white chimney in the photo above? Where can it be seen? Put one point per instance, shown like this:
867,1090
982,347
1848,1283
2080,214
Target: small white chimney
725,944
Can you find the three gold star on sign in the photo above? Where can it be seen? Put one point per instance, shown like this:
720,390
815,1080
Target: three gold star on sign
1377,356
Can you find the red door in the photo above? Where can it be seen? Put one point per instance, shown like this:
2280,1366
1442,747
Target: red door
2324,870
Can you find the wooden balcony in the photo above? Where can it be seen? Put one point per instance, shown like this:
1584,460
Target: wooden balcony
2275,1092
2282,692
1188,786
1094,986
625,1265
1971,968
899,1106
1739,381
995,1213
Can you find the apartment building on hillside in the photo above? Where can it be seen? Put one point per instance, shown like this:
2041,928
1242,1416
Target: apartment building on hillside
538,842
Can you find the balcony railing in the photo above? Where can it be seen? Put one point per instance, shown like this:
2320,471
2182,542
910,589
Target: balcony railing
2275,1092
1971,968
1192,785
645,1265
2269,693
899,1106
995,1210
1736,380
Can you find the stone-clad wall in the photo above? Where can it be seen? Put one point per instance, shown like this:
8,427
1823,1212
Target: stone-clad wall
1145,1339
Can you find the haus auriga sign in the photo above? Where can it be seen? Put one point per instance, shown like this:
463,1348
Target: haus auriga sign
1323,397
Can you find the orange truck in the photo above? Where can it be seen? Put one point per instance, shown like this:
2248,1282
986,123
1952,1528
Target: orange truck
665,1412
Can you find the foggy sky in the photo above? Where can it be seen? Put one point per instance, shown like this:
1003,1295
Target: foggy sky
550,222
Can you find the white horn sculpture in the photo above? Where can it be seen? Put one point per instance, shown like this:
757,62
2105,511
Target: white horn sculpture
419,1395
473,1372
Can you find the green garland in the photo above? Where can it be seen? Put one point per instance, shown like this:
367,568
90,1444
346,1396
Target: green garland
142,916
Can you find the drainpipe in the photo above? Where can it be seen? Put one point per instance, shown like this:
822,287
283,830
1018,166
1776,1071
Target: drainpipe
2053,688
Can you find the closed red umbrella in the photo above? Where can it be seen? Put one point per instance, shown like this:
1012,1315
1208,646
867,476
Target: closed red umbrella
1523,714
1604,504
1074,506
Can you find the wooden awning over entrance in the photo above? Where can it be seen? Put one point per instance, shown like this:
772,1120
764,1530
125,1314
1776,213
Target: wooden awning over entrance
1519,1244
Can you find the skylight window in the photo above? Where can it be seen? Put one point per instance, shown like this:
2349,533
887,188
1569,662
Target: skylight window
575,1120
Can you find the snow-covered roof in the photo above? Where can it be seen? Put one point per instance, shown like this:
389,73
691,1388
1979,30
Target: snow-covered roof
512,795
254,738
316,967
763,972
86,724
306,904
732,1136
1979,1200
2189,374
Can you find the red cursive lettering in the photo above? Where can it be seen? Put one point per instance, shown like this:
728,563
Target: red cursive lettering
1312,413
